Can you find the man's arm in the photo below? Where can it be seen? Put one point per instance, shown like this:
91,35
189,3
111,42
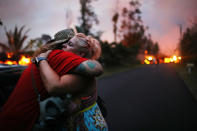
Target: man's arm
89,68
68,83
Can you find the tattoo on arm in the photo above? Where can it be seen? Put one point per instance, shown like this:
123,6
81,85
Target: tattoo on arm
89,68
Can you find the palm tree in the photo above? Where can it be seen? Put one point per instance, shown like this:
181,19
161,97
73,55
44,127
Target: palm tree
15,41
36,43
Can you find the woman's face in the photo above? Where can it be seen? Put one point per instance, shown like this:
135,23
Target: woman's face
71,45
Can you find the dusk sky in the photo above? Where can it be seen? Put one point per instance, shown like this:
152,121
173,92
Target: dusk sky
49,16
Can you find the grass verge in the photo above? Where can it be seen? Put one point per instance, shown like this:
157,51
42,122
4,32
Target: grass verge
117,69
189,79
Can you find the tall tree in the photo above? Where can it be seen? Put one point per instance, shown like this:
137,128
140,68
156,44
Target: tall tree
132,30
115,20
2,45
155,48
15,39
88,17
1,23
188,44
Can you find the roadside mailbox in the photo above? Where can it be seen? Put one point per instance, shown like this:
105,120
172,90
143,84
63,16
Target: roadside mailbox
189,67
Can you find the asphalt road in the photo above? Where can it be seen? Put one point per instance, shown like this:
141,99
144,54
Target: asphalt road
150,98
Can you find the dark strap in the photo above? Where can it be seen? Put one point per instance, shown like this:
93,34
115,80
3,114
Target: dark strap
34,84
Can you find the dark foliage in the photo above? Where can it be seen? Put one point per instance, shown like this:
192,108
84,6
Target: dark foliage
114,54
115,20
188,44
88,17
132,36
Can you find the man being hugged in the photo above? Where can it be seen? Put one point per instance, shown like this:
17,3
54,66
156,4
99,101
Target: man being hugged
57,74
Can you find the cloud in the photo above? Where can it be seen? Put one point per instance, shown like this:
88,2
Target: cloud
49,16
179,11
164,16
41,16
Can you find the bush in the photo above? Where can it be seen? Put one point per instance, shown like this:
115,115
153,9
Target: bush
114,54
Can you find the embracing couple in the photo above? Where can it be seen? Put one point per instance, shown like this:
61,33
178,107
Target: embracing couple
65,66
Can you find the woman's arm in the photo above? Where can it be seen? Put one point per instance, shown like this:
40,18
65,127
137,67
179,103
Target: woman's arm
68,83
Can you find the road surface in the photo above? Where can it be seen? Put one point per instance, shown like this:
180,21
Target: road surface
149,98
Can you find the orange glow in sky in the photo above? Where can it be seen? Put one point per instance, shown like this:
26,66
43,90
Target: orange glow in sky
160,16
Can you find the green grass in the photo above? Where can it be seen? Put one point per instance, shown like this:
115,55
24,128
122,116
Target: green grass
189,79
117,69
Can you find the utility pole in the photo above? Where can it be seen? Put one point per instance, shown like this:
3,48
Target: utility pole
1,23
115,19
181,30
181,35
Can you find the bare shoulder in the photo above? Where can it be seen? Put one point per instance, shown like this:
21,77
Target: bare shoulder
89,68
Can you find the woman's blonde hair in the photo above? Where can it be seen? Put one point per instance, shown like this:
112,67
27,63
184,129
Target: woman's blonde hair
87,44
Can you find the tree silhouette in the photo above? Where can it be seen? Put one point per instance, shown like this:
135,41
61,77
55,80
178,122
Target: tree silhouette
155,49
88,17
132,29
15,40
188,44
35,44
1,23
115,20
131,33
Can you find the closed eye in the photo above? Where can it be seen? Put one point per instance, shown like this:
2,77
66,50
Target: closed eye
70,43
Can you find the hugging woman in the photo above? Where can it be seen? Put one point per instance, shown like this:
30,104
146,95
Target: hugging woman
69,68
